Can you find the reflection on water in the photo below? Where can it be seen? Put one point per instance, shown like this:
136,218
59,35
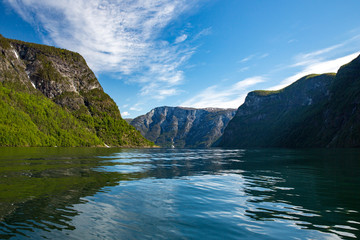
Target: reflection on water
90,193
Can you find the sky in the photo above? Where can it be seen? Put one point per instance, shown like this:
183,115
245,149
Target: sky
191,53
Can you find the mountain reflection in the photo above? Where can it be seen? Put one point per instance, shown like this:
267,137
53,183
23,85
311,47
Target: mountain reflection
39,186
313,189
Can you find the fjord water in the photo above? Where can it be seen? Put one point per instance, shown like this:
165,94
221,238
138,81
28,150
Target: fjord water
97,193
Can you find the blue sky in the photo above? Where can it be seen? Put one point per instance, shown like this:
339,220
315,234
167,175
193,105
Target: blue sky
194,53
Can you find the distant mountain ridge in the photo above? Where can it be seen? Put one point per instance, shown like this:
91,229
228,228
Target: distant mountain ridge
52,98
315,111
182,126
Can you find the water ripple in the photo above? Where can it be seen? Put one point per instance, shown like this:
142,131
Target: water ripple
179,194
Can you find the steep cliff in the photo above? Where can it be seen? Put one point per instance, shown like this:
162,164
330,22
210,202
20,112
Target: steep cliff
316,111
51,97
183,127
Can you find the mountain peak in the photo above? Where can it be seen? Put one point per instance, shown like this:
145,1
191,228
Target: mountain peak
62,81
183,126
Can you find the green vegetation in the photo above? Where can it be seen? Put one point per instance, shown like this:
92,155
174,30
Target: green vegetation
266,92
315,111
51,176
293,85
48,72
286,119
4,43
107,121
81,114
34,120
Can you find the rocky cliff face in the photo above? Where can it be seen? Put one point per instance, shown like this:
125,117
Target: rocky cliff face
183,127
316,111
64,78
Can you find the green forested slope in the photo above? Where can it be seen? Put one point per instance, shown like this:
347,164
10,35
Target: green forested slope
34,120
50,97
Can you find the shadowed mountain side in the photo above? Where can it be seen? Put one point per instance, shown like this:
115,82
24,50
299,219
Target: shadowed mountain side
315,111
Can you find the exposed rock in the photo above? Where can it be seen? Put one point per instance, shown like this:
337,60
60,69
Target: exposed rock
183,127
64,77
128,120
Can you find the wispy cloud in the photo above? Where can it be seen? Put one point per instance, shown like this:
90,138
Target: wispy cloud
117,36
328,53
317,68
314,57
243,69
325,60
246,59
181,38
230,97
253,57
125,114
264,55
136,107
202,33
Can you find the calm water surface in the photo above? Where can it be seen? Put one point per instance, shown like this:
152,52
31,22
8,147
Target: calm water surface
78,193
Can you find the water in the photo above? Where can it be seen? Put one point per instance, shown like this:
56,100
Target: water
79,193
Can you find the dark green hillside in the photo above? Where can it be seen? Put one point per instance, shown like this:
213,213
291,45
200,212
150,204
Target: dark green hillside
269,118
316,111
50,97
339,119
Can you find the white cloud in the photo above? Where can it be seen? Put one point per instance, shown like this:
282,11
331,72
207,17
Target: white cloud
248,58
326,54
317,67
125,114
230,97
254,56
243,69
181,38
119,36
264,55
136,107
202,33
163,93
314,57
292,40
325,60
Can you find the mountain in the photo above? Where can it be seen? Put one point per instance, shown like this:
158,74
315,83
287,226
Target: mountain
128,120
183,127
315,111
50,97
